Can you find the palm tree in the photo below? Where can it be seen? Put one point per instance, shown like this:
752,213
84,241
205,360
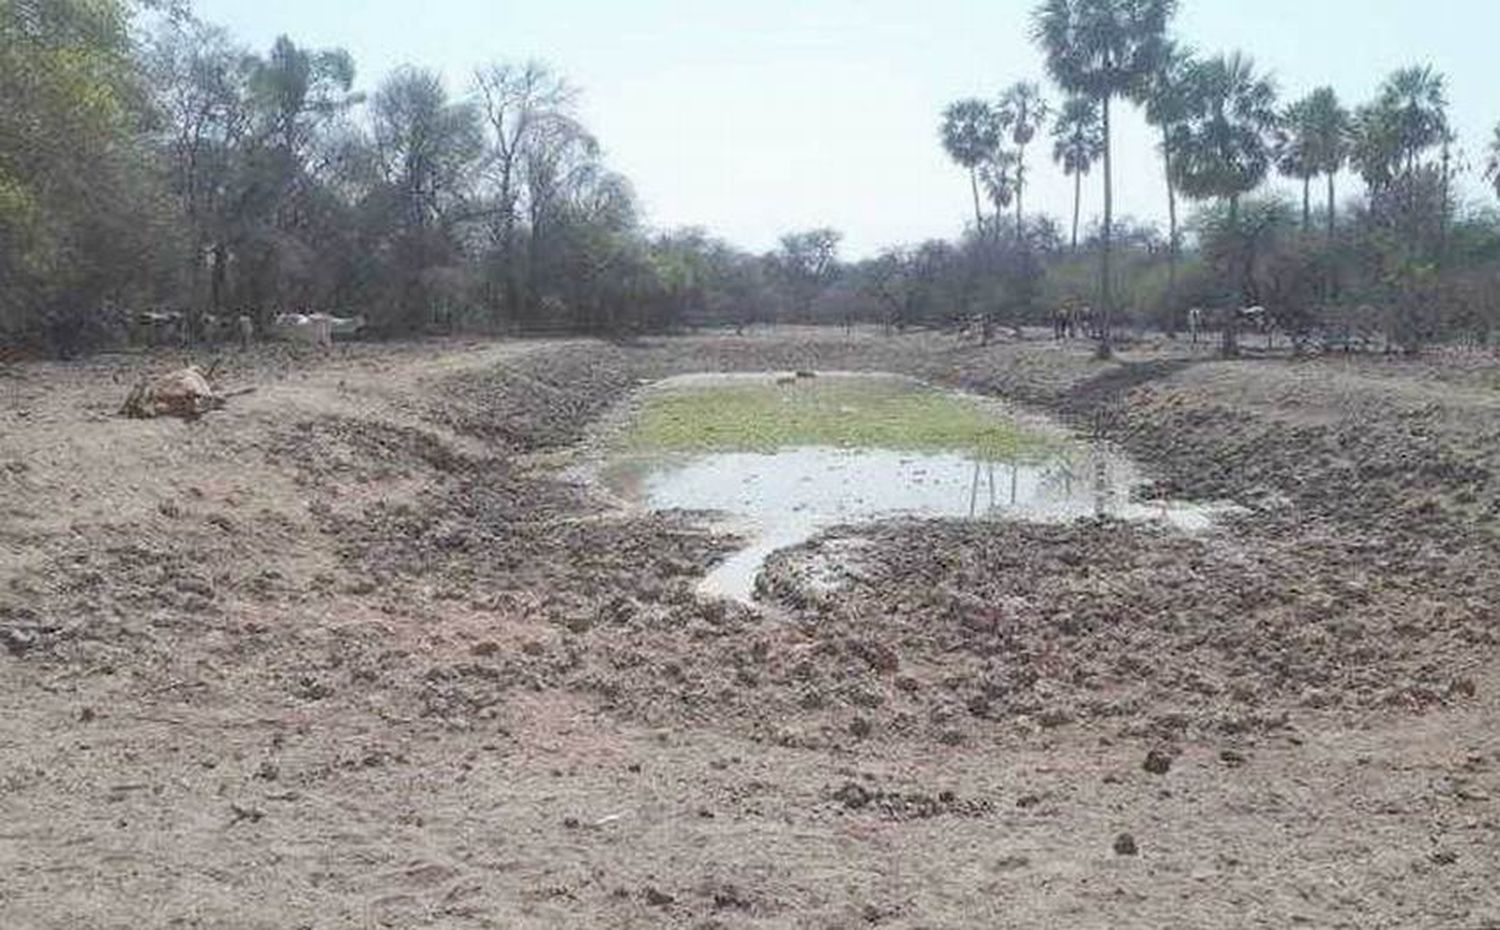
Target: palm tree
1325,136
971,134
1418,101
1375,146
1078,141
1164,93
1022,111
1222,148
1390,138
1294,155
1000,176
1102,49
1492,167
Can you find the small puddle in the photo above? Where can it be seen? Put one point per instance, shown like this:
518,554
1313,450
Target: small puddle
783,496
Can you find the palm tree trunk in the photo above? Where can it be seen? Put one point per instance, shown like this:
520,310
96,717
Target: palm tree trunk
978,216
1166,157
1241,247
1020,192
1443,207
1105,295
1306,204
1331,209
1077,199
1411,201
1229,345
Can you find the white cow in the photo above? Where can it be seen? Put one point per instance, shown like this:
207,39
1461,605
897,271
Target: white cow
311,328
315,329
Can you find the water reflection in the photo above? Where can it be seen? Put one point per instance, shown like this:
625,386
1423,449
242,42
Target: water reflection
783,498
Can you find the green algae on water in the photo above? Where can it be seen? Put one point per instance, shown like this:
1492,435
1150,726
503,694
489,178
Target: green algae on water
850,412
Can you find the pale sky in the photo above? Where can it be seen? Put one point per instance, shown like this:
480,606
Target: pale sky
759,117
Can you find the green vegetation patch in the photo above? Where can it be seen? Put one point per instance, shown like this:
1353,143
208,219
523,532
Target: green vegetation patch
844,412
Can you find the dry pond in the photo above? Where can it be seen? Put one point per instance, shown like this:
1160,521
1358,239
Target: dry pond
778,457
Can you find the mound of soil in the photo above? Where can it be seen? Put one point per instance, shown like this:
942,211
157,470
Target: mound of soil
948,629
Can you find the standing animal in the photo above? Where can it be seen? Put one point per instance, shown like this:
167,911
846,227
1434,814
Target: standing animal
245,327
159,327
347,325
1232,321
1258,318
1085,318
1062,322
971,329
1195,323
322,328
315,329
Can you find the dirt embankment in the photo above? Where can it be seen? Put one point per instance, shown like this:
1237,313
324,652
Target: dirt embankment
354,639
1361,579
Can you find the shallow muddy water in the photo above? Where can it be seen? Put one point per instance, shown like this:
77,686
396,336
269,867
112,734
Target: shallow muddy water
782,497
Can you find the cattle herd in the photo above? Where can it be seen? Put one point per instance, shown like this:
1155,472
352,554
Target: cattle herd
174,327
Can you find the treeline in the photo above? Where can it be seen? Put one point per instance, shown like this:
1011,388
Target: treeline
1404,260
150,162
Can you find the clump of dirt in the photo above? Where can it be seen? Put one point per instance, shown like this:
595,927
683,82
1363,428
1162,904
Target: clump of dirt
859,795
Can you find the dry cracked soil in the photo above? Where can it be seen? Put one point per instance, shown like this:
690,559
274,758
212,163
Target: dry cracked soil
357,652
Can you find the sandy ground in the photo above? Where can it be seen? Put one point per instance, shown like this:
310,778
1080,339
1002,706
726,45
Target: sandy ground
351,653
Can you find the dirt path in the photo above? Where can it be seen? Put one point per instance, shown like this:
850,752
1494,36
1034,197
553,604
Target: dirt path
349,654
